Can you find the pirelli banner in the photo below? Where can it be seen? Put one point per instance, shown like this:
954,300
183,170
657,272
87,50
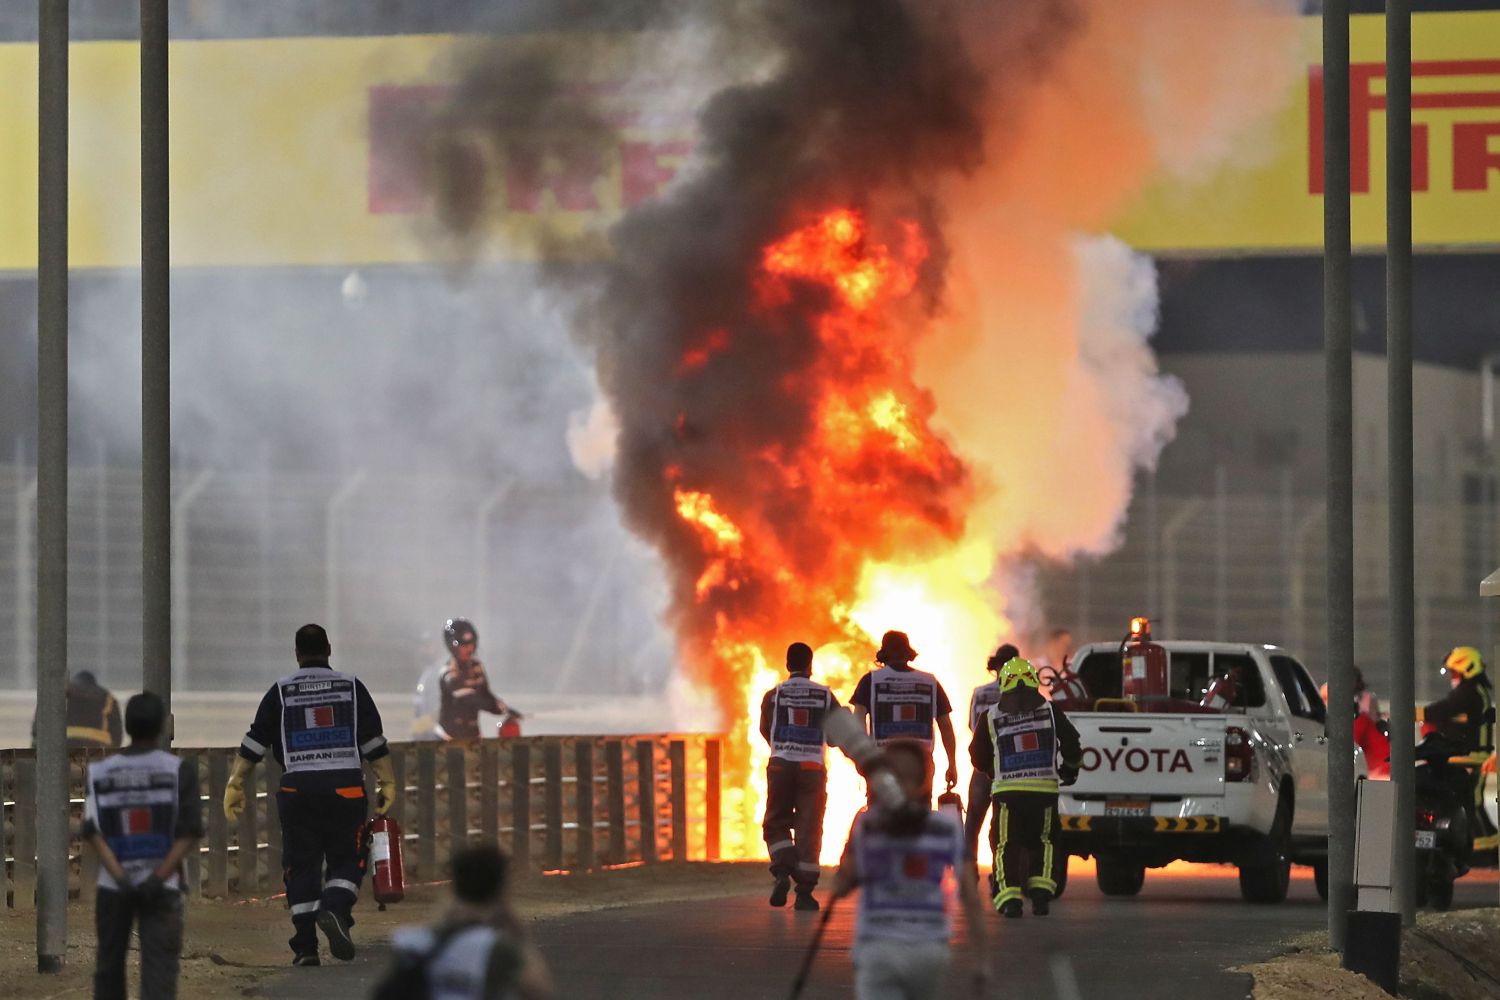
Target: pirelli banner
294,152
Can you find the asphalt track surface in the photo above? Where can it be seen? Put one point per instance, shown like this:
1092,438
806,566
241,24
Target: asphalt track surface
1177,939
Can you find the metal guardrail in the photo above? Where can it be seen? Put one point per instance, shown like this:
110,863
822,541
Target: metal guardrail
556,803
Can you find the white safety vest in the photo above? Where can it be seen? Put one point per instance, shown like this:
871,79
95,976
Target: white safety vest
798,707
903,705
985,697
132,799
457,971
319,721
1025,750
903,891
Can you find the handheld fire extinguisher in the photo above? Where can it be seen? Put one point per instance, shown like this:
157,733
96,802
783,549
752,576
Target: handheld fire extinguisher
1222,693
383,854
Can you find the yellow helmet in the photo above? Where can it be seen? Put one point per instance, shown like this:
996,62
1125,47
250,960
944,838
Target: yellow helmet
1017,672
1464,661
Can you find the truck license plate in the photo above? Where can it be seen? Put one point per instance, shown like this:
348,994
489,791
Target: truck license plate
1127,807
1426,839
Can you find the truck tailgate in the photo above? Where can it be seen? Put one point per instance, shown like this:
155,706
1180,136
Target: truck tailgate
1146,754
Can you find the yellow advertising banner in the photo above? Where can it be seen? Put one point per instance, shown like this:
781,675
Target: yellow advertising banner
1268,195
296,152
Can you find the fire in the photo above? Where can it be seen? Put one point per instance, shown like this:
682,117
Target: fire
859,527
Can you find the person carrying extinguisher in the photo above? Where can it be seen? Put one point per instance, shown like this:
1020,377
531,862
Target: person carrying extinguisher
319,725
464,687
1023,738
791,721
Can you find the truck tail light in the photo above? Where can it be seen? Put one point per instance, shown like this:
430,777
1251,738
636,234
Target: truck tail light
1426,819
1239,758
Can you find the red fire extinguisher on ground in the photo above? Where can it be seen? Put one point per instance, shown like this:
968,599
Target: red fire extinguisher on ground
1144,663
387,873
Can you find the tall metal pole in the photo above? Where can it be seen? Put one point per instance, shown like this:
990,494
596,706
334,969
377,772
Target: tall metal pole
1339,363
1399,401
156,399
52,488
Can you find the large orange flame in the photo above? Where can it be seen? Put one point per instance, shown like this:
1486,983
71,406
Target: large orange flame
882,501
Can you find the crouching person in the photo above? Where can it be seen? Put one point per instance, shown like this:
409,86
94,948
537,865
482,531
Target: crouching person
141,814
475,951
904,863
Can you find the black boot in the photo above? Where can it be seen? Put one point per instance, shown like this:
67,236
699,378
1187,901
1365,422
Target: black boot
805,901
1041,902
1011,908
779,890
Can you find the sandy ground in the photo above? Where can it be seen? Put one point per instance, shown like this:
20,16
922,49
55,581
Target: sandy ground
1447,956
230,946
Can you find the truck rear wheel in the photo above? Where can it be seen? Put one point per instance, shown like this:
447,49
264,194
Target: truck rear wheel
1119,877
1267,873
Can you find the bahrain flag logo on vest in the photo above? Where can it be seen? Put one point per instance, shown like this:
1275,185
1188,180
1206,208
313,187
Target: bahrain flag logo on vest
320,717
904,712
1026,742
136,821
798,716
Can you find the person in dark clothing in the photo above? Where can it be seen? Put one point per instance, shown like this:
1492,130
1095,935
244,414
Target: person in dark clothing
1466,716
93,715
464,688
319,725
791,721
142,816
1020,745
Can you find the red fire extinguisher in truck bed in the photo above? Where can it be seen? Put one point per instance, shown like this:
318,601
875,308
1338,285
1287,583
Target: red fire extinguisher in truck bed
383,855
1144,664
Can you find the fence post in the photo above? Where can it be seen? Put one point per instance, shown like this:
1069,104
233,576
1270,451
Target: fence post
273,821
614,767
458,801
1296,591
427,812
489,791
713,768
7,844
248,839
24,813
645,776
482,519
552,770
583,769
520,803
677,755
193,869
216,884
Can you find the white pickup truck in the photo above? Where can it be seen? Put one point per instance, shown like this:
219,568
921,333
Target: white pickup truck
1170,781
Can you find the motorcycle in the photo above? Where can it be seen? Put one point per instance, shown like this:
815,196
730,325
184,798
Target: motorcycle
1442,821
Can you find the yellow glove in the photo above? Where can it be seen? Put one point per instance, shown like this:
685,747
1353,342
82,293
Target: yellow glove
385,784
234,791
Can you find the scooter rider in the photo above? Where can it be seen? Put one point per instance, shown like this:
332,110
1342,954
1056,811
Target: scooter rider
985,696
791,720
1021,743
1466,716
903,703
318,724
464,686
